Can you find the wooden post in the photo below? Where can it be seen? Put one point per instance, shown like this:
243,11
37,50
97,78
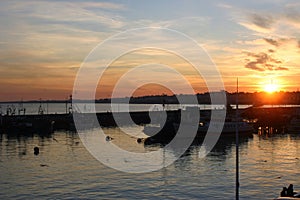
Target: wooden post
237,142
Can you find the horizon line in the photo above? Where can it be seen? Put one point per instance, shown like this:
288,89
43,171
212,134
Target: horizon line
126,97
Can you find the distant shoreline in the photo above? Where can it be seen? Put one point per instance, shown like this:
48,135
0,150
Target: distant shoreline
257,98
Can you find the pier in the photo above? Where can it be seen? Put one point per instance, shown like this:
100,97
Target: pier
47,123
267,119
270,119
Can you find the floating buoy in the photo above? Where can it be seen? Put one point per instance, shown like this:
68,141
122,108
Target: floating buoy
36,151
108,138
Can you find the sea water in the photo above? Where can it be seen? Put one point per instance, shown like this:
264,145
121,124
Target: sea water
64,169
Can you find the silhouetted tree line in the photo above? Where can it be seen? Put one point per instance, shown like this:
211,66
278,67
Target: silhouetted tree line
256,99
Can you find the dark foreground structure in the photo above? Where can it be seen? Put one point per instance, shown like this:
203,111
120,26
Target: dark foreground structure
268,120
47,123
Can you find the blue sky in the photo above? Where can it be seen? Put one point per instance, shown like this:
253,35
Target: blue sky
43,43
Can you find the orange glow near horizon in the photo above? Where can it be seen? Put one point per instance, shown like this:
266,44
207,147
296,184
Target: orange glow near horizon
270,88
44,45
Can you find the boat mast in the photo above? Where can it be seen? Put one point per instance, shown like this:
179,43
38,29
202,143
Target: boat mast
237,183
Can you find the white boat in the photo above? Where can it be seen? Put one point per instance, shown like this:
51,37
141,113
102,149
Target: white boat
229,126
151,129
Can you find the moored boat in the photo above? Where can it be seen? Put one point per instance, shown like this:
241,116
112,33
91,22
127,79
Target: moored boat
288,193
294,125
229,126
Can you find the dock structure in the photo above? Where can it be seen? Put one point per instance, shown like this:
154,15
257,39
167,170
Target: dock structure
47,123
277,117
270,119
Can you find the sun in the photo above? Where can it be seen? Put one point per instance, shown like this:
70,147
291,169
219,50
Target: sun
271,87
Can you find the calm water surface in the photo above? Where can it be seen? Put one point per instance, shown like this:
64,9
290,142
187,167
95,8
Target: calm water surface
64,169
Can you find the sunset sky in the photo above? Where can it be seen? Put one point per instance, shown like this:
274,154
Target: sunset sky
43,43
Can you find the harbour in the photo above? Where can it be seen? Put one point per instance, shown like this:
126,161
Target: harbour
150,99
267,119
49,130
65,169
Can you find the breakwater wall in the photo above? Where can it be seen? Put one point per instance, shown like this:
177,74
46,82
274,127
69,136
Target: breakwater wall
271,116
47,123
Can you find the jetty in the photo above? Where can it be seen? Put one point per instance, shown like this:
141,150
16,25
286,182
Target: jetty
47,123
259,117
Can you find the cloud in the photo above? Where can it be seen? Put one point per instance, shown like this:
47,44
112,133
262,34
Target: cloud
255,28
271,51
263,21
102,5
224,5
291,42
183,24
83,15
272,42
292,13
263,62
284,21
